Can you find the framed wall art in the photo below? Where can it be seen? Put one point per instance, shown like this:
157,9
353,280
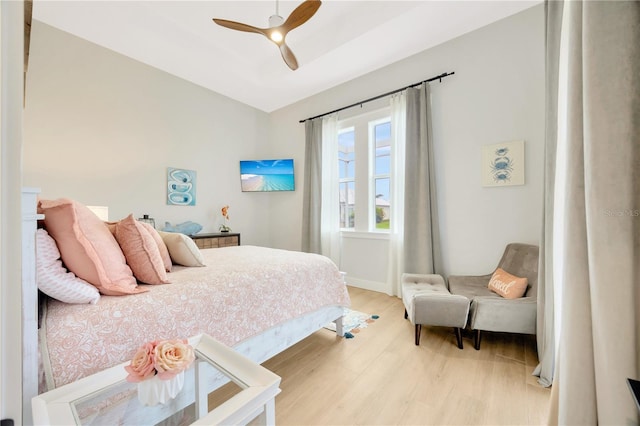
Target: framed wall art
181,187
503,164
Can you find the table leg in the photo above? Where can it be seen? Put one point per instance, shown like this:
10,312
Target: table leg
202,399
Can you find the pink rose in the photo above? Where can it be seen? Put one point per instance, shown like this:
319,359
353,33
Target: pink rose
172,357
142,365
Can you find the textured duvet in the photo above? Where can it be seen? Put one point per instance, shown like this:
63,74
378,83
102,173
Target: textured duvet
242,292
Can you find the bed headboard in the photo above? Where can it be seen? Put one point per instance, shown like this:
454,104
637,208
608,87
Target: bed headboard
30,219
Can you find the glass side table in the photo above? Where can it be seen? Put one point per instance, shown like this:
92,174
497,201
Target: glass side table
106,398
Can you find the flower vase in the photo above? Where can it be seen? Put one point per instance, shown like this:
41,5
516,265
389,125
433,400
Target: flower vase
155,391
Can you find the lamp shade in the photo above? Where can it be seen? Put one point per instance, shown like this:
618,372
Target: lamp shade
101,211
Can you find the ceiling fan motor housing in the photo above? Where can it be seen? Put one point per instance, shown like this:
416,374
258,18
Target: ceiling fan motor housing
275,21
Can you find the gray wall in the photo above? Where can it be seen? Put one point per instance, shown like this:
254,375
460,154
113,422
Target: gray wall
496,95
102,128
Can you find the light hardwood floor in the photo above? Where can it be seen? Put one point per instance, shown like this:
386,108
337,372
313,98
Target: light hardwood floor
381,377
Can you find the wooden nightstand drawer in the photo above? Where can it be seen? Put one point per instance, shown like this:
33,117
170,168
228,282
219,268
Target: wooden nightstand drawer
223,239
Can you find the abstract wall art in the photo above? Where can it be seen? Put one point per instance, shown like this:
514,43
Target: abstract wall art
181,187
503,164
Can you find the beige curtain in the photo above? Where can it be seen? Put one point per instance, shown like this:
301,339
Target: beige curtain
421,248
545,332
320,200
330,191
311,193
398,103
597,203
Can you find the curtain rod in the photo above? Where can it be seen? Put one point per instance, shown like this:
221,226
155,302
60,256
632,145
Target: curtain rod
437,77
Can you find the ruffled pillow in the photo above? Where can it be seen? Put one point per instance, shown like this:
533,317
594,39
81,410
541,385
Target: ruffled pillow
164,251
54,280
87,247
141,251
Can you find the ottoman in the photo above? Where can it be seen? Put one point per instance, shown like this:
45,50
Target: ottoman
427,301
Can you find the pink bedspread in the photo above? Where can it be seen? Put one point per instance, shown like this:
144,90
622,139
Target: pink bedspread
242,292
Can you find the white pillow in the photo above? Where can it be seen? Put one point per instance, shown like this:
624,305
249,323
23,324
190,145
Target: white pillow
54,280
182,249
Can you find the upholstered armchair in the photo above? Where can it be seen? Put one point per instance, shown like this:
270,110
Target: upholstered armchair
490,311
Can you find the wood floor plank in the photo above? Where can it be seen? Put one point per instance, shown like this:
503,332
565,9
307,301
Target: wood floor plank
381,377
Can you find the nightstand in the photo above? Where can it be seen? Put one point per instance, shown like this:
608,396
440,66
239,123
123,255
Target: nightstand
216,240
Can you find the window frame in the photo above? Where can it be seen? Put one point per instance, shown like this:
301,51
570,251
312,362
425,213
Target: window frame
373,176
364,183
346,180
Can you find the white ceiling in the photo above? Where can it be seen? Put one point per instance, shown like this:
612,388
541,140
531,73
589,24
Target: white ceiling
343,40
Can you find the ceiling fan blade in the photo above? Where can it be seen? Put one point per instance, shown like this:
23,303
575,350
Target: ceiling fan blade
301,14
239,26
288,56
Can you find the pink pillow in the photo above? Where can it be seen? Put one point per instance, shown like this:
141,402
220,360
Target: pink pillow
87,247
507,285
164,251
56,281
141,251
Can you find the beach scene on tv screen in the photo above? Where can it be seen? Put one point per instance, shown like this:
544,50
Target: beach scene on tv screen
267,175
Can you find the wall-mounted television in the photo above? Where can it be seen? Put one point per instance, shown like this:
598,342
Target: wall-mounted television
266,175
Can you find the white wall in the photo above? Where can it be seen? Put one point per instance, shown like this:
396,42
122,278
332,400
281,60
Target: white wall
102,128
496,95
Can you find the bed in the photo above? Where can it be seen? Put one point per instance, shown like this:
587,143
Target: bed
257,300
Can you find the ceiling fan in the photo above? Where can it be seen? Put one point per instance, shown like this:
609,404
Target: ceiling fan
278,27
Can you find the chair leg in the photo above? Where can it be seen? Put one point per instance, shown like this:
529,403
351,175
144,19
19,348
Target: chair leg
418,330
406,315
478,337
459,337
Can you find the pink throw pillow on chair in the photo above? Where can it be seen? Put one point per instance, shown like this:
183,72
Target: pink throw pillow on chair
507,285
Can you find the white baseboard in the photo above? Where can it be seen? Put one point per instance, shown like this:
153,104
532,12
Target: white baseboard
368,285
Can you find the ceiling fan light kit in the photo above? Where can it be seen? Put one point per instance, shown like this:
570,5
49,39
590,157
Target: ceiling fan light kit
278,27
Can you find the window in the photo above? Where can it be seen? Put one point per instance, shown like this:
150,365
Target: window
365,184
381,180
347,175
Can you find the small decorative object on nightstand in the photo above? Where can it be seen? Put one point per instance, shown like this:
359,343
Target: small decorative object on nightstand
225,215
146,219
187,228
